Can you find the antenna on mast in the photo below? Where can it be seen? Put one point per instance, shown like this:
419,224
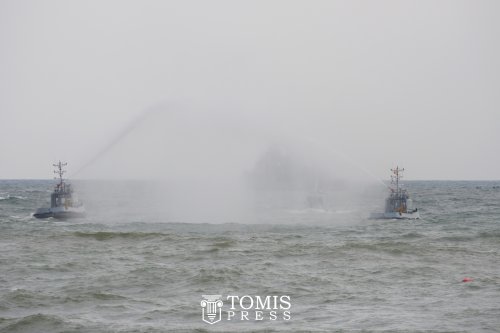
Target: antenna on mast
59,171
396,176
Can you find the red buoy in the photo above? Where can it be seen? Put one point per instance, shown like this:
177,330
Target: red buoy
467,279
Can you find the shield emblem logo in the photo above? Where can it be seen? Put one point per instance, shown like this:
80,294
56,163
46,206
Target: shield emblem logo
211,309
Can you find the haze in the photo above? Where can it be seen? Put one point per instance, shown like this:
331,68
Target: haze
179,89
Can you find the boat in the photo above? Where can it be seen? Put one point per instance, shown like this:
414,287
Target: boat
398,205
63,204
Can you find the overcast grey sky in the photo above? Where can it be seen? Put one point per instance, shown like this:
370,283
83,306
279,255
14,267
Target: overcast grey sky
414,83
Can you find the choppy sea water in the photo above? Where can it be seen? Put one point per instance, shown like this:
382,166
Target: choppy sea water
143,274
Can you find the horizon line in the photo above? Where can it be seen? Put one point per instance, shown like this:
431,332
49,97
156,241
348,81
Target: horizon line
411,180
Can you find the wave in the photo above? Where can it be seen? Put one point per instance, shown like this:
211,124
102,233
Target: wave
457,238
228,275
472,236
35,323
108,235
412,235
392,247
223,242
493,234
12,198
93,296
19,297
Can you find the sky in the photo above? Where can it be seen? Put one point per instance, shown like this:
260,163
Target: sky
137,89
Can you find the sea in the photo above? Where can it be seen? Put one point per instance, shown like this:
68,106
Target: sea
339,270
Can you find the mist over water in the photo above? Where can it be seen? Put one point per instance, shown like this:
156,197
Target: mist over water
218,164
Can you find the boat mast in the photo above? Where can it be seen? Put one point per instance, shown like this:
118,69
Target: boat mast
59,171
397,176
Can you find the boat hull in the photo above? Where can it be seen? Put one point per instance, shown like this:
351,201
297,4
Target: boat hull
61,214
396,216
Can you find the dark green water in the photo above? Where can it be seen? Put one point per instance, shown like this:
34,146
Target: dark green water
133,273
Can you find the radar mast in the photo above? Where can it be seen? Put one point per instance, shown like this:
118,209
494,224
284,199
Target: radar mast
396,176
60,171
